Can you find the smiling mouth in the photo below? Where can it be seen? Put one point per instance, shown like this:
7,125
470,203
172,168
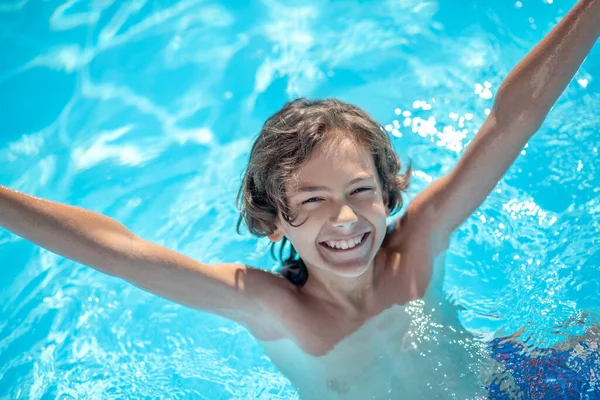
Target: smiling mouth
338,245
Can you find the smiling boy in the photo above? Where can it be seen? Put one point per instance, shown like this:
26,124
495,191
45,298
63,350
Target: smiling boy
341,321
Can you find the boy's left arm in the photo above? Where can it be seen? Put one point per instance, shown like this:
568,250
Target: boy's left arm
522,102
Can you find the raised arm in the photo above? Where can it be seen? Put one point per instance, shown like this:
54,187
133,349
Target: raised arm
231,290
521,104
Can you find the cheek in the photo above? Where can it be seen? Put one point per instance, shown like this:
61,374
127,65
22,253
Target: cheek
305,233
373,206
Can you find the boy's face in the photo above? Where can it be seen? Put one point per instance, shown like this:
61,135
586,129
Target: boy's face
338,196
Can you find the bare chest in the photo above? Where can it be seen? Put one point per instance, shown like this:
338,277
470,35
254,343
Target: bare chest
405,303
409,351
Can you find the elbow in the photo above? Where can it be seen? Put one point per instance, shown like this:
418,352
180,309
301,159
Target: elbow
517,111
116,255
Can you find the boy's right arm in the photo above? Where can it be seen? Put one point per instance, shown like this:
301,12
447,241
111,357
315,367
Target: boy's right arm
247,295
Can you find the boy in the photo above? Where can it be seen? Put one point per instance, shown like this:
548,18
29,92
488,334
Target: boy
341,323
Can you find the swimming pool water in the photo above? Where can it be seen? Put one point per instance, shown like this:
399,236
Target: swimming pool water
145,111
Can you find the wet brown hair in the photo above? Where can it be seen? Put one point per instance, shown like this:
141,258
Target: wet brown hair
286,140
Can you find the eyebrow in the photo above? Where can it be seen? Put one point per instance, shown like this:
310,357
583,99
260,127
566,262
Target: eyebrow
303,189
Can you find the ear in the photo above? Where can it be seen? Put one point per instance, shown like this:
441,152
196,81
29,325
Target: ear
276,236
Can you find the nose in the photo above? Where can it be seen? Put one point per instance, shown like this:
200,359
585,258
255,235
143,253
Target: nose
344,218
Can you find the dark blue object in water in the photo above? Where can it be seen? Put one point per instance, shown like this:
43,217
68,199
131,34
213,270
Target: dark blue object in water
547,373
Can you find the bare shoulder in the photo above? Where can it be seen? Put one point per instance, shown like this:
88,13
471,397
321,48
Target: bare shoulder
408,254
415,230
279,300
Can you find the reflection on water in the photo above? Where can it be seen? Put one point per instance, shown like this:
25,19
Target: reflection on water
145,111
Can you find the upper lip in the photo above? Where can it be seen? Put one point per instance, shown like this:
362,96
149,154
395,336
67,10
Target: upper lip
348,237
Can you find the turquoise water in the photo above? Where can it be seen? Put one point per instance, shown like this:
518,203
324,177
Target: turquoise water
145,111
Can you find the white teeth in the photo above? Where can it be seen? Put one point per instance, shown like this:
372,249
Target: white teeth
344,244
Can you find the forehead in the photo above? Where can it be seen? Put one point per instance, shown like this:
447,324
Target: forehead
335,161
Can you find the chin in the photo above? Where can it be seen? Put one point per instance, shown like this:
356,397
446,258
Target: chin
350,269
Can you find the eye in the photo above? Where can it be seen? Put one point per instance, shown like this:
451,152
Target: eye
311,200
361,189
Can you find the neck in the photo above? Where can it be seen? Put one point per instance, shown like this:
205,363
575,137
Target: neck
353,295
